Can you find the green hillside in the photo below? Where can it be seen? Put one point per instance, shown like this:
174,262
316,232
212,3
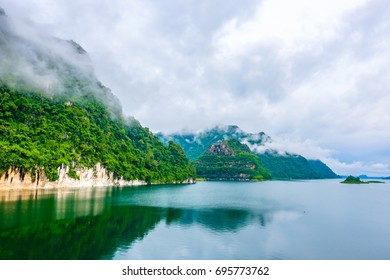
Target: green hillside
54,112
38,134
286,166
230,160
195,144
290,166
322,169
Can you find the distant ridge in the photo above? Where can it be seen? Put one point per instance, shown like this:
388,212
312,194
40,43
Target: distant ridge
279,165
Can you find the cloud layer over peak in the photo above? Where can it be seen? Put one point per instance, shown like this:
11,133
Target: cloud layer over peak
312,71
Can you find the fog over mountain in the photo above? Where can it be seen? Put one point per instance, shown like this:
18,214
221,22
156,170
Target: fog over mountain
205,147
32,59
60,126
313,74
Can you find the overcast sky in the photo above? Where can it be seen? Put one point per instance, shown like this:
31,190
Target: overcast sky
314,75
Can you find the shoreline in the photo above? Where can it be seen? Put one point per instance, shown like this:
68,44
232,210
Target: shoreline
55,185
96,176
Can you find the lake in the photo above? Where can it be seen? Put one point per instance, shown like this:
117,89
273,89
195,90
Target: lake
304,220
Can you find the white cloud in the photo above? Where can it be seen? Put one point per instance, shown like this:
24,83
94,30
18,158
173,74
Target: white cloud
292,26
358,168
300,69
307,148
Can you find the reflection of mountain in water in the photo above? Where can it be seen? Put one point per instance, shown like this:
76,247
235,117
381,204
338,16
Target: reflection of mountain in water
88,225
89,237
28,207
223,219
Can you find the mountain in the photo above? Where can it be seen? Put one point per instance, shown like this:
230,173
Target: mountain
291,166
230,160
279,164
195,144
60,126
322,169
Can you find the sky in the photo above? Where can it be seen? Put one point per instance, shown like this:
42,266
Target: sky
314,75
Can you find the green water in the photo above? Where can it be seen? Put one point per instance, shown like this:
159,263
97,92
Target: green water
320,219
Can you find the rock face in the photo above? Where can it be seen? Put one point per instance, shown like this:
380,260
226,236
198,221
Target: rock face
98,176
220,149
15,176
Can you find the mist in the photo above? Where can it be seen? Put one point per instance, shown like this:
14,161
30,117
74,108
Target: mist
313,73
30,58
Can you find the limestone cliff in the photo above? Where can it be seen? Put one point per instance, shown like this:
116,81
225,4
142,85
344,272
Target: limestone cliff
220,149
98,176
59,126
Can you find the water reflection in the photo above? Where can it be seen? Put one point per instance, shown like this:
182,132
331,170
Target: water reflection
23,207
88,224
229,220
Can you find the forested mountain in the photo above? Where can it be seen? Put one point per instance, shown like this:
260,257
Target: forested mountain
195,144
279,165
230,160
57,121
291,166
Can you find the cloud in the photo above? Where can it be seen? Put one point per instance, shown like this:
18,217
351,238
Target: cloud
292,26
312,150
29,57
359,168
312,71
36,58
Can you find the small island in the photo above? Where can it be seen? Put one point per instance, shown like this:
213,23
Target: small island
356,180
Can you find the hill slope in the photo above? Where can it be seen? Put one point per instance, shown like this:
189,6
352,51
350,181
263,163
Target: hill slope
230,160
58,123
280,166
290,166
195,144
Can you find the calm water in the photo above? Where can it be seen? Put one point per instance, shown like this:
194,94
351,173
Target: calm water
320,219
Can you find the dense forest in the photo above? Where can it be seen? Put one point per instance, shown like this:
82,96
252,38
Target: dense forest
39,133
230,160
280,165
195,144
290,166
55,113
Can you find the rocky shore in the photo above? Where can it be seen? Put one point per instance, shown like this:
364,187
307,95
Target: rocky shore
98,176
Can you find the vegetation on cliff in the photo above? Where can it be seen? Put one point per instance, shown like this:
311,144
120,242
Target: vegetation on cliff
54,112
280,165
230,160
41,133
196,144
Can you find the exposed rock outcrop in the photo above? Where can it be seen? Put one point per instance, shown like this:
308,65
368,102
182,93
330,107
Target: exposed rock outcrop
98,176
220,149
